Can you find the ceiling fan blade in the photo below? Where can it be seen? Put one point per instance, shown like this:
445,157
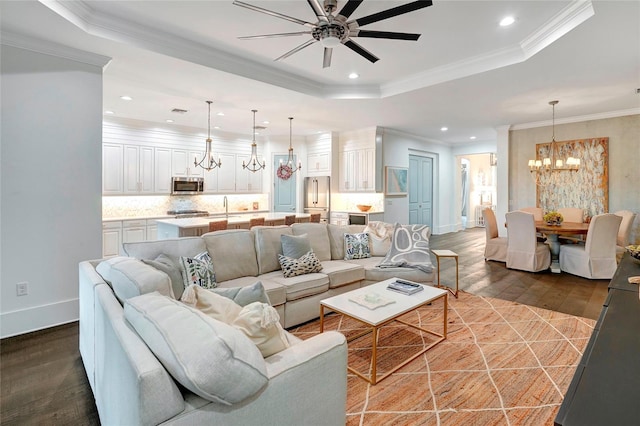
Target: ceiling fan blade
318,9
272,13
361,51
384,34
395,11
326,63
349,8
274,35
297,49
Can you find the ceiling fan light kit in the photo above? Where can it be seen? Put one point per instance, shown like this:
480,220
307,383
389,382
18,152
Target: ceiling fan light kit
333,29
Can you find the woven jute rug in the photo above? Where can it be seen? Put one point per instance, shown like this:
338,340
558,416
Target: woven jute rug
502,363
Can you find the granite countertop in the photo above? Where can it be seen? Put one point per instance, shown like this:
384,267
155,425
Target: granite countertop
196,222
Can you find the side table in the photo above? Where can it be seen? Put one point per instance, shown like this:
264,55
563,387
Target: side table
446,253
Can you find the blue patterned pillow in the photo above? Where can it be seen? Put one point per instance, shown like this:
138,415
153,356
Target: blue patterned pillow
198,270
356,246
304,265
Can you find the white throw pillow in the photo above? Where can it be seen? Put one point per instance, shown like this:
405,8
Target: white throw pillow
208,357
130,277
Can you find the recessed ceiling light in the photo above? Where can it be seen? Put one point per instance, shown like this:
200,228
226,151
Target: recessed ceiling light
265,122
216,127
353,75
109,112
169,120
221,114
472,137
507,20
126,98
444,129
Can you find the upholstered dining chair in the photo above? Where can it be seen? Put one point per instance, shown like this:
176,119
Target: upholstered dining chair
624,232
218,225
596,259
495,247
314,218
290,220
256,221
572,214
535,211
524,252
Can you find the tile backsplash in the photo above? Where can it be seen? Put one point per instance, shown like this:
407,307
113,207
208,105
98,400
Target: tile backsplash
158,205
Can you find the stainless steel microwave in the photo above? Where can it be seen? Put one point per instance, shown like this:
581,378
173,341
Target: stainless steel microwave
187,185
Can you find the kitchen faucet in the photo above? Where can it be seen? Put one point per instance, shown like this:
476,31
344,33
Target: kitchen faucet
225,204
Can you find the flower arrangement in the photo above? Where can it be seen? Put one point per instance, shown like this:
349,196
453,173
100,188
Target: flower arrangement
284,171
553,218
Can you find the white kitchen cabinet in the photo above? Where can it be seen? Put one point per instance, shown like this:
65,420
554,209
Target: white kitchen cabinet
211,181
134,231
138,166
182,163
247,181
365,170
227,174
339,218
318,163
348,169
152,230
162,171
112,169
111,238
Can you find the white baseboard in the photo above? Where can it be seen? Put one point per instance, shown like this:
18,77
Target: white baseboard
38,317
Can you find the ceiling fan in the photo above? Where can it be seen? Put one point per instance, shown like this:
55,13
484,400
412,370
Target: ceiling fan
333,29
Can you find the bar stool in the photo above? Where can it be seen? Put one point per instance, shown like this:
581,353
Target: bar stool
315,218
290,220
256,221
218,225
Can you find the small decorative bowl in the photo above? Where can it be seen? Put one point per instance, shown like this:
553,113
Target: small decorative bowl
634,251
363,207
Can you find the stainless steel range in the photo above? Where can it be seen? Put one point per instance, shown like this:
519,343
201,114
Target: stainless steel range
182,214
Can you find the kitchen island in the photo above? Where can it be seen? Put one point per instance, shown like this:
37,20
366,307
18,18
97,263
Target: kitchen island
196,226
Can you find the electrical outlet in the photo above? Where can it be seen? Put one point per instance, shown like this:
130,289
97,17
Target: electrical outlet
22,289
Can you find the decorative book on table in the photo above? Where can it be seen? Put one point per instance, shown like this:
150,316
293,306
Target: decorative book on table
405,287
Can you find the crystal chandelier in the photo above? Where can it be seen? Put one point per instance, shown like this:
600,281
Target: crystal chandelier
208,162
543,171
290,163
254,164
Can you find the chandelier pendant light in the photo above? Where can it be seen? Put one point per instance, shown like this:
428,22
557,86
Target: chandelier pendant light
253,165
208,161
543,171
288,168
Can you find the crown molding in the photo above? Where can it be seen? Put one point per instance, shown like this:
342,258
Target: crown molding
578,119
46,47
81,14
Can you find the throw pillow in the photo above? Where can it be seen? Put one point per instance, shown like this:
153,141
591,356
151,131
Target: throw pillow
258,321
295,246
409,248
165,264
198,270
245,295
304,265
130,277
356,246
379,237
210,358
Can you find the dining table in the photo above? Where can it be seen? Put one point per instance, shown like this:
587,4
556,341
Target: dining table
552,232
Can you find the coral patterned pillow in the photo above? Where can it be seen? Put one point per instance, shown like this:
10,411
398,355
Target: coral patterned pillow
304,265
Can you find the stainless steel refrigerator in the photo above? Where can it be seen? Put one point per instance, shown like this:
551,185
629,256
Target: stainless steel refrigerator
317,196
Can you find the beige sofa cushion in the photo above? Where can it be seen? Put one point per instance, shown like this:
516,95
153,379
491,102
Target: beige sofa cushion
188,343
300,286
268,246
130,277
174,248
373,273
318,237
233,253
341,273
336,238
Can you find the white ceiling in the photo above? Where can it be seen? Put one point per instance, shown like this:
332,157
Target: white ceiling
465,72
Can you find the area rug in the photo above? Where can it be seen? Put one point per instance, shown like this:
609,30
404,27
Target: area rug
502,363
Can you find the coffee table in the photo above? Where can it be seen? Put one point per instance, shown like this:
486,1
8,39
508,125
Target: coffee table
381,316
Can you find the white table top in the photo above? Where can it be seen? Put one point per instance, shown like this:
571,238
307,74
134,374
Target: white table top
444,253
402,303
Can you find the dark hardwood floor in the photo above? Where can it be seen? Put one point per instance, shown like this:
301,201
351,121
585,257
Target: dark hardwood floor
43,382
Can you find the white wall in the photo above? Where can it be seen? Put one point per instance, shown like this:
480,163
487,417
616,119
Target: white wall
51,163
396,149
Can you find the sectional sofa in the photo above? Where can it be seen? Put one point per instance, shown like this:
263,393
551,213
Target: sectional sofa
130,384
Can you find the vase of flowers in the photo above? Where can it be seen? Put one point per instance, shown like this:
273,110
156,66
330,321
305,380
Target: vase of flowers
553,218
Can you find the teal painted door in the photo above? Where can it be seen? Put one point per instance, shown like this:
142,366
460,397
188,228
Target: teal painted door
420,190
284,191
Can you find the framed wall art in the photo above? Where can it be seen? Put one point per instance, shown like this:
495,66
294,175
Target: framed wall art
396,180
